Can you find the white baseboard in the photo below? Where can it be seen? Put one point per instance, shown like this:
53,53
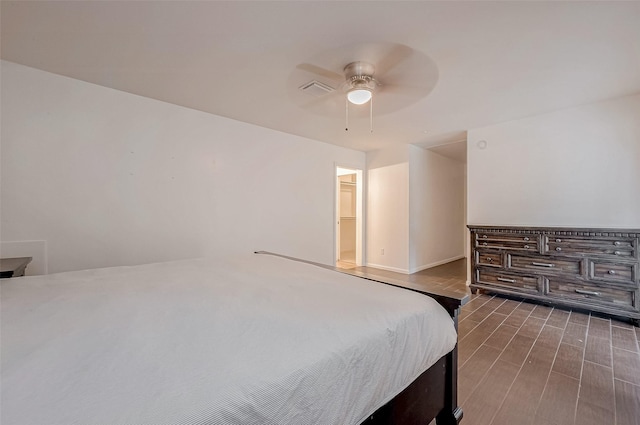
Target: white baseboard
437,263
391,269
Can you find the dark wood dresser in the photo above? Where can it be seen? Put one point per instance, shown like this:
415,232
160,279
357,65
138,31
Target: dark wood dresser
592,269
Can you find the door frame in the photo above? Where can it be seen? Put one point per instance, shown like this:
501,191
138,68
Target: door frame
360,219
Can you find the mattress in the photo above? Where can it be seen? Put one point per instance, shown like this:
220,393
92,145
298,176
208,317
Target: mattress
252,339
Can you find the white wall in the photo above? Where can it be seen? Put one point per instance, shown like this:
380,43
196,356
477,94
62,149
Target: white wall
109,178
436,209
415,209
573,167
388,209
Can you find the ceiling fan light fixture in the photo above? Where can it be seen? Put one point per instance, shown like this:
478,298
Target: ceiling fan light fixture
359,96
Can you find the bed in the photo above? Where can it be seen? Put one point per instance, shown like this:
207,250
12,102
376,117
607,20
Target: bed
245,339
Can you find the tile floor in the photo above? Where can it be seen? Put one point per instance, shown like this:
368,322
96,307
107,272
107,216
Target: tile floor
521,363
528,364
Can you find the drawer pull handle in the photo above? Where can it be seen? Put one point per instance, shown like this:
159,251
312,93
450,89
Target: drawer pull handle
542,264
526,239
484,236
617,252
526,247
616,243
612,272
558,248
558,240
484,244
583,292
489,259
503,279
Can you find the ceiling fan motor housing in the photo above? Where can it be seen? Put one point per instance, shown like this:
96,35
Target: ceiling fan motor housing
359,75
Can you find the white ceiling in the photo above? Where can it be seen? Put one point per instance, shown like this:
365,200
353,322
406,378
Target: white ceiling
454,150
496,61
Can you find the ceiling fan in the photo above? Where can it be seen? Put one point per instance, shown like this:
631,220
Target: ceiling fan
395,75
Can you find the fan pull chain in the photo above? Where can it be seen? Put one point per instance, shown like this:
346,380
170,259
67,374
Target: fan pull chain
346,112
346,108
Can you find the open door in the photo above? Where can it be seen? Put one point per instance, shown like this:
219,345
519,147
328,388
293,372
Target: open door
348,217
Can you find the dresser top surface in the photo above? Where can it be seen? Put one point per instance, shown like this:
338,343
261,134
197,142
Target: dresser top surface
586,230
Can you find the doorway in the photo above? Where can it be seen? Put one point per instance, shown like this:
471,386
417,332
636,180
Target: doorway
348,217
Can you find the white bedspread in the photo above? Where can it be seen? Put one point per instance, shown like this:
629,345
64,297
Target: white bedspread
247,340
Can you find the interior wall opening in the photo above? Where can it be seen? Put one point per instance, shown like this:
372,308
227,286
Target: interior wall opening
348,217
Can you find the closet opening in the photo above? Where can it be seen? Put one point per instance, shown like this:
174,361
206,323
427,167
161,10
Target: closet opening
348,235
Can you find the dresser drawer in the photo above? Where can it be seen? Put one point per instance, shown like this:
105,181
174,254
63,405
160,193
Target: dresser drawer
614,247
507,241
545,265
587,293
613,272
488,258
527,284
506,237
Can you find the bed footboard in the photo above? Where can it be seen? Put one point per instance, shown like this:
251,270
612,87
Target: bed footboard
451,413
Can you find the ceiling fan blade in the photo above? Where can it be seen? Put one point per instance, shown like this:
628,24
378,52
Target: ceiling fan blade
405,90
393,97
334,76
415,76
396,54
327,105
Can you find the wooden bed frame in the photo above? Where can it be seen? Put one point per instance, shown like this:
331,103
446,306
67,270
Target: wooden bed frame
434,394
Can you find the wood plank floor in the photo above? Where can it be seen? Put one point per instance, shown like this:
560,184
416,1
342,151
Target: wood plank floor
528,364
